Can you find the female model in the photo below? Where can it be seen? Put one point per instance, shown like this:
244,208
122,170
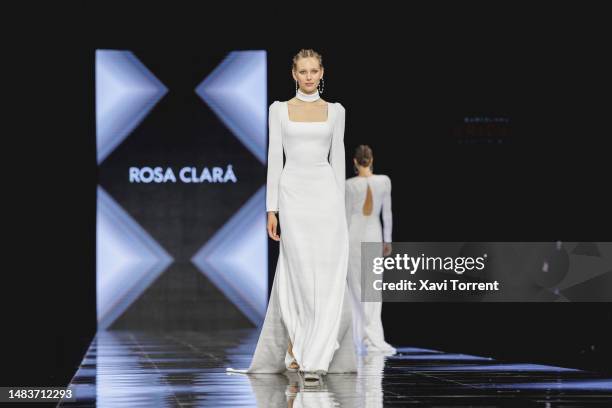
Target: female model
308,323
367,194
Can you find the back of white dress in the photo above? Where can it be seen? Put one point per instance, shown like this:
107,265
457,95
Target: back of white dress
367,227
363,218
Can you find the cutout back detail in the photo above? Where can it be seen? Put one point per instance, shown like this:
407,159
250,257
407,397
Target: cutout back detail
368,204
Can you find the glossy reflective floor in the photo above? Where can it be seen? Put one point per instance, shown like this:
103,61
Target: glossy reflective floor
146,369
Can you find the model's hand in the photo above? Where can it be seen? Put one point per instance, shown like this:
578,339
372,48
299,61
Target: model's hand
272,225
387,248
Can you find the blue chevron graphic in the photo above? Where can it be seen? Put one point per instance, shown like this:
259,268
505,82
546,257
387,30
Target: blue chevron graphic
126,91
128,260
235,259
237,92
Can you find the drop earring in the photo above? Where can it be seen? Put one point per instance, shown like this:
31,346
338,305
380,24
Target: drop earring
321,85
296,86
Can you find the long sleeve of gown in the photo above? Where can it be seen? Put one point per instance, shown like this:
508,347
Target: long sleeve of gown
387,215
347,203
337,159
275,157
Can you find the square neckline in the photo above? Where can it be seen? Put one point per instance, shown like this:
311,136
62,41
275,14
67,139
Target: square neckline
294,121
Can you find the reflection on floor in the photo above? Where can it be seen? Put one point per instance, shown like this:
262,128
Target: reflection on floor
147,369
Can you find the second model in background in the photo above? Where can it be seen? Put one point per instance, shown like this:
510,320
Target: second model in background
367,195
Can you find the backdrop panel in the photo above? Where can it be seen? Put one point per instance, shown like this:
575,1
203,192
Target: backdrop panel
181,148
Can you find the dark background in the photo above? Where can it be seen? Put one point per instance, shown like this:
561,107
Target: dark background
406,89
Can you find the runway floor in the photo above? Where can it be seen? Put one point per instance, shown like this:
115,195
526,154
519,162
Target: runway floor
187,369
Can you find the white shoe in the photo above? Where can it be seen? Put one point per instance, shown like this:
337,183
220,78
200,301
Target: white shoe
293,369
289,361
312,379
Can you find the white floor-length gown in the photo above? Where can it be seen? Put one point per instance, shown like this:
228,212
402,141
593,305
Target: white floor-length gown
309,303
368,328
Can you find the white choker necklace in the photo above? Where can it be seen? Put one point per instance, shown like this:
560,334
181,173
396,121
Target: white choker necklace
307,97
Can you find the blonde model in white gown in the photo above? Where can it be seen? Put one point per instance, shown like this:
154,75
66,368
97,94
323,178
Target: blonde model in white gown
309,304
364,226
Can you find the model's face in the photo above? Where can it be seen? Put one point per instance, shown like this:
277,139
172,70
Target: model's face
308,73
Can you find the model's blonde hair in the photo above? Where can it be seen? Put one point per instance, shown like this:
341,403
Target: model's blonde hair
307,53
